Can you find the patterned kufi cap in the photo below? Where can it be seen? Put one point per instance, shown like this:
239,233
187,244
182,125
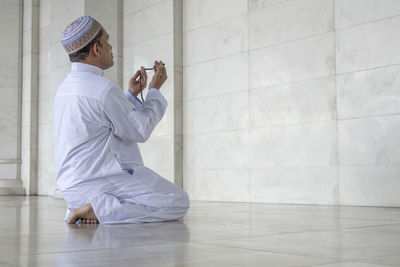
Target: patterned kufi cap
79,34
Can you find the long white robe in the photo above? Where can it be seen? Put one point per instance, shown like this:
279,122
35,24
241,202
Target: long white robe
97,157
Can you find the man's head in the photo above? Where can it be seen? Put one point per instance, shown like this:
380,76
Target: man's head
86,41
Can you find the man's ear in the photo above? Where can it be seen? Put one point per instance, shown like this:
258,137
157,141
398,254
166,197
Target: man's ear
95,50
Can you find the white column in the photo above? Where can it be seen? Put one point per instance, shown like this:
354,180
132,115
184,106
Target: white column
178,90
10,101
30,87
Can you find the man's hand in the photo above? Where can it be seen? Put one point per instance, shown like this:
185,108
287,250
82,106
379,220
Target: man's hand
138,82
160,75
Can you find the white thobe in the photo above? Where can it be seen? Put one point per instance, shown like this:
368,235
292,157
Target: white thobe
97,158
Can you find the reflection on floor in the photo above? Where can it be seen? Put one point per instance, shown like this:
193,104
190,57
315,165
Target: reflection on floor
32,233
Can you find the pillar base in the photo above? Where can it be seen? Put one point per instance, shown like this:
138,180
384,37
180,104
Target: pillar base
11,188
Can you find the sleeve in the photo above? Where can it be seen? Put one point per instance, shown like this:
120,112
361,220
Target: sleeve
134,100
130,123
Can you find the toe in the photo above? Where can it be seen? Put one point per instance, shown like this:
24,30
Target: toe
72,217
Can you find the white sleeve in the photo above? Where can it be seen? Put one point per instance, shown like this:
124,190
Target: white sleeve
128,122
134,100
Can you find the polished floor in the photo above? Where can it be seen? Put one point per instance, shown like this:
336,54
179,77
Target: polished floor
32,233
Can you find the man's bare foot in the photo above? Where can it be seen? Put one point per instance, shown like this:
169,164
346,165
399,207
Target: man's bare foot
84,213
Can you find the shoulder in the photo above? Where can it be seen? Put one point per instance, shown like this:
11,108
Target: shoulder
111,90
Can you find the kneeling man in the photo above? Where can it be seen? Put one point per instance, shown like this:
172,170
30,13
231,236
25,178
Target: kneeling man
99,168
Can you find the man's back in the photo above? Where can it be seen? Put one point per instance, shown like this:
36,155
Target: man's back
82,133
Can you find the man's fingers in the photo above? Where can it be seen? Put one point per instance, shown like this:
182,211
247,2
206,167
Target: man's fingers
136,75
160,68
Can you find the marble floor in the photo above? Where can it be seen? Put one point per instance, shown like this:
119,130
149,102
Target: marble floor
32,233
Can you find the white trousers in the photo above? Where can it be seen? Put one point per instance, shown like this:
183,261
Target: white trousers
143,196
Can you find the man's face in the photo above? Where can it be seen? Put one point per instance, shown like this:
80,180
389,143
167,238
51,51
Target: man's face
105,48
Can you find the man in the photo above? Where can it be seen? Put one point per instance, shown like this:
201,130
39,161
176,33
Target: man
99,168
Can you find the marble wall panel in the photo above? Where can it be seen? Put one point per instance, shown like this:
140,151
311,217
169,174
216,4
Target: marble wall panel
132,6
258,4
99,7
8,3
220,76
198,13
58,57
215,114
8,122
46,167
295,145
44,15
301,185
45,39
289,21
354,12
44,60
369,93
215,41
158,152
106,13
9,171
46,138
56,77
45,111
144,53
34,30
373,185
380,43
222,150
369,141
305,101
65,9
9,44
146,24
47,185
294,61
218,184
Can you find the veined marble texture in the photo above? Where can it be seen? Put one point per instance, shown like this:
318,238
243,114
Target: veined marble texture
367,46
369,93
197,14
145,24
217,40
289,21
354,12
303,59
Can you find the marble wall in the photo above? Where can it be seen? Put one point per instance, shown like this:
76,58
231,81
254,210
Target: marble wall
368,98
275,101
292,101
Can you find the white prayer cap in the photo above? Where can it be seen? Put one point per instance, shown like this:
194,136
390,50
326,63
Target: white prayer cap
80,33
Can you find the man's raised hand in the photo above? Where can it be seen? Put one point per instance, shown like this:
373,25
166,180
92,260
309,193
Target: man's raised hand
138,82
160,75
